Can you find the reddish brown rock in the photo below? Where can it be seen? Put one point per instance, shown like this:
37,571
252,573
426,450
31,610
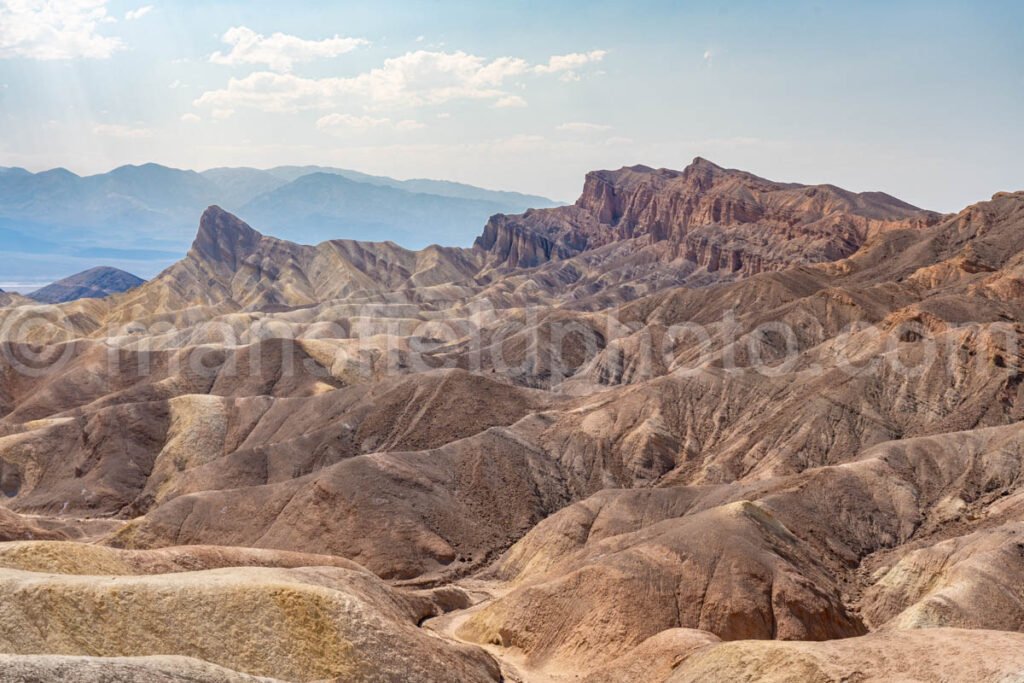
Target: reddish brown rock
724,221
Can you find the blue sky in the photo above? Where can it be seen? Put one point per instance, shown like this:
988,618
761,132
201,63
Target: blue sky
920,99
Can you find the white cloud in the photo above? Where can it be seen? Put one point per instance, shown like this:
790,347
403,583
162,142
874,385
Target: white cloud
420,39
190,118
568,63
175,84
222,113
279,51
509,101
410,80
137,13
343,123
708,57
583,127
55,29
115,130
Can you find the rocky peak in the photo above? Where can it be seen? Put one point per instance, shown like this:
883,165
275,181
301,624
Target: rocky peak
223,238
612,196
702,163
724,220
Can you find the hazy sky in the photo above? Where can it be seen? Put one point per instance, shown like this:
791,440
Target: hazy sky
924,100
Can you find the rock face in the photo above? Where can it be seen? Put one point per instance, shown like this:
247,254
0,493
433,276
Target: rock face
95,283
724,221
631,460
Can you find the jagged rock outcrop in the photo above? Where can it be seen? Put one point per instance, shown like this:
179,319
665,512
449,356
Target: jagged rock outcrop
536,237
725,221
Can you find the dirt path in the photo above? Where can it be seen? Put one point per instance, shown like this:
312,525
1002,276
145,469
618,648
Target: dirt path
78,529
513,664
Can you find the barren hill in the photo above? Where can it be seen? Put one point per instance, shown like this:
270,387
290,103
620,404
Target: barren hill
587,449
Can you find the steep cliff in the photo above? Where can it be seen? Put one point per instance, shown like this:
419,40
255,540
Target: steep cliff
720,219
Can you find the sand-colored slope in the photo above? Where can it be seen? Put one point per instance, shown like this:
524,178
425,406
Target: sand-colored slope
151,669
67,557
293,624
447,510
971,581
928,655
769,559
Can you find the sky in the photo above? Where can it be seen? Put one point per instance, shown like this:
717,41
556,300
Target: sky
923,100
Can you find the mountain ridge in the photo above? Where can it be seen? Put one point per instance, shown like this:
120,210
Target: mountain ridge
140,217
95,283
683,234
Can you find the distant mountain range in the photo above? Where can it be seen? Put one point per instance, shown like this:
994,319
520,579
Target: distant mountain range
95,283
140,218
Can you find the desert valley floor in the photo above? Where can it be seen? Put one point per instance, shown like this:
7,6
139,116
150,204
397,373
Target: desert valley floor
698,426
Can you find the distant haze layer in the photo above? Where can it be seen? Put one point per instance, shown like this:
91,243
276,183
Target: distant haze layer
141,218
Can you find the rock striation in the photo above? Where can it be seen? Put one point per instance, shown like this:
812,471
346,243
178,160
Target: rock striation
724,221
698,426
